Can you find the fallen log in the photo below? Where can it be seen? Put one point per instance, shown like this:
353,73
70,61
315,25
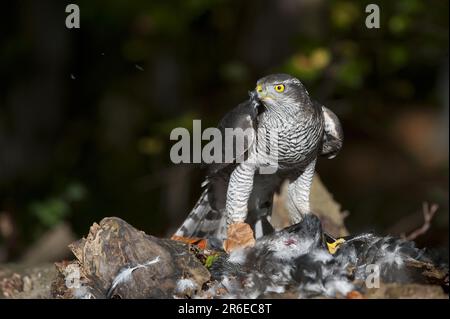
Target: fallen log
118,261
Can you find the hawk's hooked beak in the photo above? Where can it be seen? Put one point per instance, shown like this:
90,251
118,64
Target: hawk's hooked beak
261,93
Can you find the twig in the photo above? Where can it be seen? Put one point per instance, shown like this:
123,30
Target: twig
428,214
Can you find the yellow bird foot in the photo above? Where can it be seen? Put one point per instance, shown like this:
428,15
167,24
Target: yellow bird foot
334,246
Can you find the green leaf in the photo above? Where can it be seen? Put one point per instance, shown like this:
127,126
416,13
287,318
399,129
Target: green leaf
351,73
51,211
210,260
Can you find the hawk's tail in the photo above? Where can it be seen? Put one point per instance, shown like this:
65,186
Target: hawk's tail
203,221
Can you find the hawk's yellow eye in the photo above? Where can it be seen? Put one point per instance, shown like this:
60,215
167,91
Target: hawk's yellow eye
259,88
279,88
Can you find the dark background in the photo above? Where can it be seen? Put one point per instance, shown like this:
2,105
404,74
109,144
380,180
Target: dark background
85,114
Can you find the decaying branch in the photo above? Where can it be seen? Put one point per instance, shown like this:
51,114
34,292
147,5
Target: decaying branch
428,214
116,260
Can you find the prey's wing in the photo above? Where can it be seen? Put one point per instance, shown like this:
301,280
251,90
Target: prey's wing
333,136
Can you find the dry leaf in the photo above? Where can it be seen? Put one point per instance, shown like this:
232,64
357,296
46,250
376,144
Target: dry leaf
239,235
354,295
199,242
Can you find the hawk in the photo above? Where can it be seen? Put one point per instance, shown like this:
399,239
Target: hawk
289,131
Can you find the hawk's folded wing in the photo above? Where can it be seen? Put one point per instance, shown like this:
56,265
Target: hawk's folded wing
235,145
333,136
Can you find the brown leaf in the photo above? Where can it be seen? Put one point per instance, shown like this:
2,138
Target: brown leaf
199,242
239,235
354,294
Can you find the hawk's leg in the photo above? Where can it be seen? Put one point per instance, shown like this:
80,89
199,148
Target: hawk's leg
240,187
298,194
238,193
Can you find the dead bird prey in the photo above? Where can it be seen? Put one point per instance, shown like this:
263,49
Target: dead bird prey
297,261
296,129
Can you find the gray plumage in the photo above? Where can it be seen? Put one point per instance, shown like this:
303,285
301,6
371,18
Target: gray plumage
287,132
296,260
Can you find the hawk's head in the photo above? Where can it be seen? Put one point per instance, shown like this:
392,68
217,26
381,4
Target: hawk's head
282,93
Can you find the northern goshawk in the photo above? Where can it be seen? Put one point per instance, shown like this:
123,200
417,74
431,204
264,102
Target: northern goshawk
289,131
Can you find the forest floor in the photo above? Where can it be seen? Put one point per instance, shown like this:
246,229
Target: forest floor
115,260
